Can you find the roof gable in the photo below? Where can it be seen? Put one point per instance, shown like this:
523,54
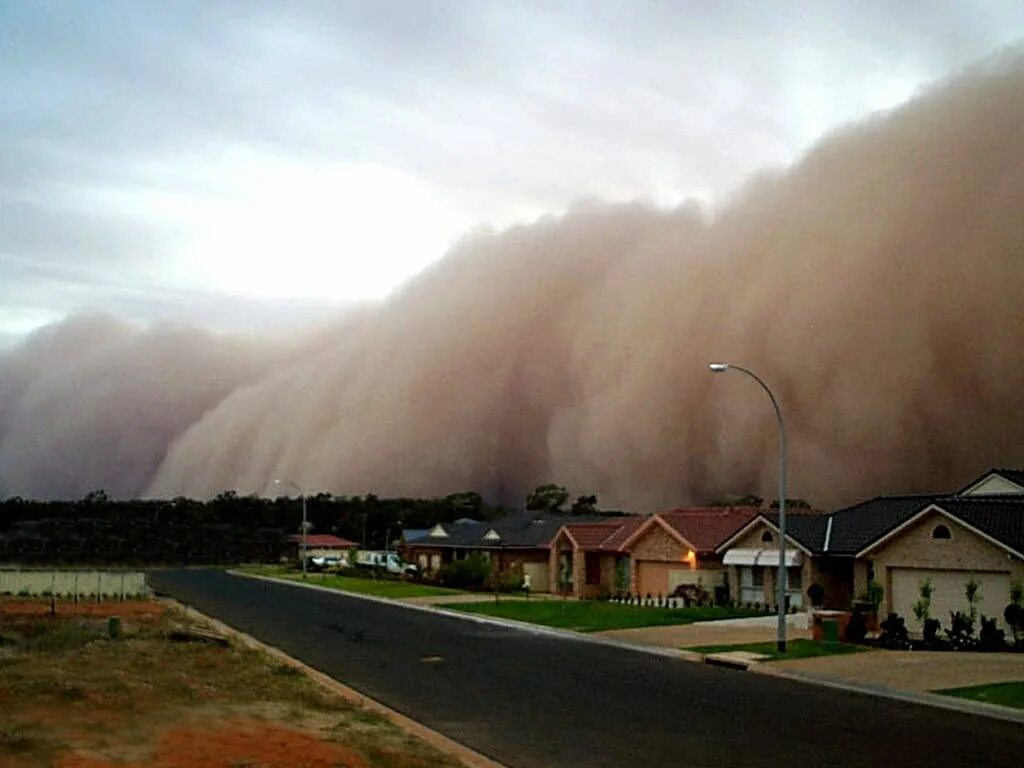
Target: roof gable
996,482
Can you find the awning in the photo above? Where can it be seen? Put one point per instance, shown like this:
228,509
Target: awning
737,556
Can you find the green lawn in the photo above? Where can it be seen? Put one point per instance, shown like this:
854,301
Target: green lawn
364,586
1003,694
595,616
795,649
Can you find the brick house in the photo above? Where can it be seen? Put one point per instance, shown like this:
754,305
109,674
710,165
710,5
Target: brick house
319,545
584,557
897,542
680,547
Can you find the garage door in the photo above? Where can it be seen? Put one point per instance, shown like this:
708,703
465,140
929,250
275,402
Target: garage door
948,594
660,578
538,573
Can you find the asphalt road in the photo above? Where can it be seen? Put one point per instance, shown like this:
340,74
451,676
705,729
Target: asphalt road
528,700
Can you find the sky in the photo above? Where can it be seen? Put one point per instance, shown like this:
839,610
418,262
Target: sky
249,165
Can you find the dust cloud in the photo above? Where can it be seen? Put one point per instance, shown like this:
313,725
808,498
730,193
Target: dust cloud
876,285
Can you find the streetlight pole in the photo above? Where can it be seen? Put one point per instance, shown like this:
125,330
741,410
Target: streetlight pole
302,493
780,586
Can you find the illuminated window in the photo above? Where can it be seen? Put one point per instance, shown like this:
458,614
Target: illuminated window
941,532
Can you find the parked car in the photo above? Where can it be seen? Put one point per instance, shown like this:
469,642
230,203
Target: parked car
389,561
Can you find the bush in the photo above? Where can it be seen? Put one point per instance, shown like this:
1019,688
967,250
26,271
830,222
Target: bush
991,638
472,572
894,633
816,594
1014,615
931,631
856,628
961,631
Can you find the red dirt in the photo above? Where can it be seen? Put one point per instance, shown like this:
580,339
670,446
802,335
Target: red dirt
135,610
249,743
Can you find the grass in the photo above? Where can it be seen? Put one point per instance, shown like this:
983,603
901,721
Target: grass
597,616
67,689
1003,694
363,585
795,649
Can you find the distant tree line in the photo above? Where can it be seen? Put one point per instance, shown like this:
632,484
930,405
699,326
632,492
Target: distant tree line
226,529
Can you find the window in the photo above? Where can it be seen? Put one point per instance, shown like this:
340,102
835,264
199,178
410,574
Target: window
592,561
766,537
941,532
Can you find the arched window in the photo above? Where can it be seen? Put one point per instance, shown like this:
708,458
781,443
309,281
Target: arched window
941,532
766,537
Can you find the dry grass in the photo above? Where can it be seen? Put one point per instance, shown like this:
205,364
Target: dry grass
75,698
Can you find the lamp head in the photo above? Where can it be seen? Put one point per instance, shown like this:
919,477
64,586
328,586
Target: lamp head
718,367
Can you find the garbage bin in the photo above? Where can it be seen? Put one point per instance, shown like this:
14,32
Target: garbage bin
830,630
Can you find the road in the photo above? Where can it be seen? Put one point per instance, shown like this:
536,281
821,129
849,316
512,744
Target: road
528,700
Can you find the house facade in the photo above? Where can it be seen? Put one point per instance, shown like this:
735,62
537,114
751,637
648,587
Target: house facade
897,544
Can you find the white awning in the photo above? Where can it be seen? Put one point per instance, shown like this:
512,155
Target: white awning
737,556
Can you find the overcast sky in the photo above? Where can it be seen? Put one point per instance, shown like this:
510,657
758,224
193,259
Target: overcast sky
243,164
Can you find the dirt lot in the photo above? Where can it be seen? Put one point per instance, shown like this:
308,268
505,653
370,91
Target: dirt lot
73,697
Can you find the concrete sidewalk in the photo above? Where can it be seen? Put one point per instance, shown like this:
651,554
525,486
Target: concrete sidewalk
916,671
726,632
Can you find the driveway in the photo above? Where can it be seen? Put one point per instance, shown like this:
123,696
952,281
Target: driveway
529,699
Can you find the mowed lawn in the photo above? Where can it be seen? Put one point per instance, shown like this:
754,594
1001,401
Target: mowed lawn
1003,694
363,585
795,649
597,616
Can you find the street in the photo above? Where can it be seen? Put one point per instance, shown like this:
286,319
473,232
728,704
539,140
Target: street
528,700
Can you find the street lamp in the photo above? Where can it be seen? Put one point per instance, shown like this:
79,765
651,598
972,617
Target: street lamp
780,586
302,493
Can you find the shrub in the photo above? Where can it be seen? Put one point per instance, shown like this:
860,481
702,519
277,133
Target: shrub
1014,616
923,607
961,631
816,594
971,589
894,633
991,638
471,572
931,631
856,628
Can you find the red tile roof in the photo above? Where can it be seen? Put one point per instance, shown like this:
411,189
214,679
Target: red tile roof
707,527
322,540
606,535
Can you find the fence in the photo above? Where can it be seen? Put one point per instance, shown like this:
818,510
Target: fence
72,583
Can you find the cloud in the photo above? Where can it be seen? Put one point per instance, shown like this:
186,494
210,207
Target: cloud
868,284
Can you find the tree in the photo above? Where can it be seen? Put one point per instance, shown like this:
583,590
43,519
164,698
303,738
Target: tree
547,498
584,505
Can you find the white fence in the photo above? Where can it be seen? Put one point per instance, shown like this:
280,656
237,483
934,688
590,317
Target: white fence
72,583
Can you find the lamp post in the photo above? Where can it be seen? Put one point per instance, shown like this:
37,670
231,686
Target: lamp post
780,586
302,493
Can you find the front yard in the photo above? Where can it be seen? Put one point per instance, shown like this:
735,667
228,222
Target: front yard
597,616
1003,694
795,649
76,694
364,585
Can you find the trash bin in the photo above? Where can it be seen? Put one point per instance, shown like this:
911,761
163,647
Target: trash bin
830,630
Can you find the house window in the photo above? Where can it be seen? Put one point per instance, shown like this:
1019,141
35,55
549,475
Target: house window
766,537
592,561
941,532
751,584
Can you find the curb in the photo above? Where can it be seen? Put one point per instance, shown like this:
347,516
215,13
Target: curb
468,757
534,629
964,706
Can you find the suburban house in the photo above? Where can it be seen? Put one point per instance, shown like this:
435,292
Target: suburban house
585,558
319,545
896,542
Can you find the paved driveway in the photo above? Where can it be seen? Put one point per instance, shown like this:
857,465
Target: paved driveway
528,699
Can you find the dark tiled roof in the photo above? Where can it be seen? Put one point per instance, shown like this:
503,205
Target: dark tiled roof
855,527
1002,518
524,530
606,535
806,528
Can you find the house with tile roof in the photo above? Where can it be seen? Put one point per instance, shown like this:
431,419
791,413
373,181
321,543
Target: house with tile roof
658,553
896,542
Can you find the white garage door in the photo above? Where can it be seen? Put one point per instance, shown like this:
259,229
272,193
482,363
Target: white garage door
948,594
538,573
